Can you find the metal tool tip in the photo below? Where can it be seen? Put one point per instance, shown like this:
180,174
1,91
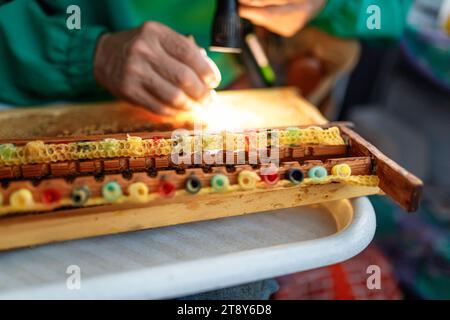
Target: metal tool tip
225,49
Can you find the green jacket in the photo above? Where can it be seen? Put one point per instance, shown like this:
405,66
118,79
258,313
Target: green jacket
41,60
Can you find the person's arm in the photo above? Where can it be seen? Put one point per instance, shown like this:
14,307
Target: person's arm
150,66
350,18
342,18
42,60
283,17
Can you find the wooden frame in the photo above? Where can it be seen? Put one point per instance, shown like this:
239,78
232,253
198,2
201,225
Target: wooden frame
65,224
25,230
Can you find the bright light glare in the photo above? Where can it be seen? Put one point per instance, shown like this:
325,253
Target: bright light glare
218,116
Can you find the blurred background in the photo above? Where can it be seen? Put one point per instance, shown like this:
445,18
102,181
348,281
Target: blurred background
398,95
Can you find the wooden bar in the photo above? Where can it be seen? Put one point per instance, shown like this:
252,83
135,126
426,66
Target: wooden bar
62,169
28,230
143,135
86,166
111,165
6,173
297,152
359,165
161,162
50,225
404,187
136,163
321,151
98,165
35,170
401,185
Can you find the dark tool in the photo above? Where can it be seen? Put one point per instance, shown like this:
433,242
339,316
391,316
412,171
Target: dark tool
230,34
226,29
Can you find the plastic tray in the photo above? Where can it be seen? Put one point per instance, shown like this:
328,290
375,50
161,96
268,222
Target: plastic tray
197,257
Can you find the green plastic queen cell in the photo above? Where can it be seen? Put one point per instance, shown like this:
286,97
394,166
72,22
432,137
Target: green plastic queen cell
220,183
317,173
112,191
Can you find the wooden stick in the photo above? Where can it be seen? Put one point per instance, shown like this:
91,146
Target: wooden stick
404,187
79,167
359,165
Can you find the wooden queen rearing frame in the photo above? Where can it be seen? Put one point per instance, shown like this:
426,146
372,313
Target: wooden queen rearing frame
65,188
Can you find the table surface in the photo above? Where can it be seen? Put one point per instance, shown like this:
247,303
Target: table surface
187,259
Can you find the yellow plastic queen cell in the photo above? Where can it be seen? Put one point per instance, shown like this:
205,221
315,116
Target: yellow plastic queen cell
21,198
138,192
342,170
247,180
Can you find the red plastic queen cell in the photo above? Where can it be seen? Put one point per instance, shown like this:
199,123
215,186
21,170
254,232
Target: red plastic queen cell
51,196
271,179
167,189
270,175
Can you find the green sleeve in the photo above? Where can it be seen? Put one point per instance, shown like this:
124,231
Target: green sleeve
348,18
41,60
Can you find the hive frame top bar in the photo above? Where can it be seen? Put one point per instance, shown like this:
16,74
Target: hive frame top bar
401,185
157,185
149,135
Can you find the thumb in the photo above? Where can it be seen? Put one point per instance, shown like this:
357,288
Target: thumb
257,15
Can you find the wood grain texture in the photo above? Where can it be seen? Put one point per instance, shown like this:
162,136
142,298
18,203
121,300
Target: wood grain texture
75,168
29,230
359,165
62,123
400,184
278,107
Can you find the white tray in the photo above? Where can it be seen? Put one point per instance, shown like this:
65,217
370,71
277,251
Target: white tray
187,259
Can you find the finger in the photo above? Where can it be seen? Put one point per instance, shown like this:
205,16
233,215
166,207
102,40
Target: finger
185,51
156,106
165,91
215,69
257,15
212,65
284,20
179,75
142,98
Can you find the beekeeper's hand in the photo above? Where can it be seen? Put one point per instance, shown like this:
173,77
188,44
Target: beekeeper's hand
155,67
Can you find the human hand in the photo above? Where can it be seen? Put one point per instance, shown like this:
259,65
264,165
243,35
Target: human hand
284,17
154,67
